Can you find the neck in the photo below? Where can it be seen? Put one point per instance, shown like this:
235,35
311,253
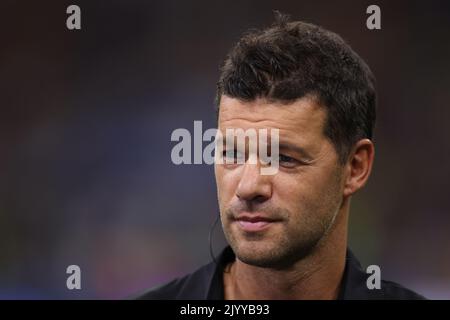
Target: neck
317,276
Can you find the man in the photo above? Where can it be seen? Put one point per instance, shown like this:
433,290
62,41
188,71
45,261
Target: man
288,231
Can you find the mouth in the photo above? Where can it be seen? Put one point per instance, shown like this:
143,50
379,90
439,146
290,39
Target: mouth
254,222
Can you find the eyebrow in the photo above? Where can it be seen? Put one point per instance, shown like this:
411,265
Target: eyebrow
297,149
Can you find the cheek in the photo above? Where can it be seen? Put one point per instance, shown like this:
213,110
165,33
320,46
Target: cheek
226,183
295,185
218,172
303,190
290,192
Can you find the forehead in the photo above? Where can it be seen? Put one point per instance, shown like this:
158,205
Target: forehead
303,119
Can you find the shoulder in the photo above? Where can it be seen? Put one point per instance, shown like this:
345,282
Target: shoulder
393,291
193,286
355,287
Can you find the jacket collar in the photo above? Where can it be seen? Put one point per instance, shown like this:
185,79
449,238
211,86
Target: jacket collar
353,284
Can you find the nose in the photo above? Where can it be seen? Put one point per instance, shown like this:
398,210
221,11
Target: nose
253,186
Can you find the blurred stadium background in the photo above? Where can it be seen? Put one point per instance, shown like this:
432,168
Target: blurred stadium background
86,118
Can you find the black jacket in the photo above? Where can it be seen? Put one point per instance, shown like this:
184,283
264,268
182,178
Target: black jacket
206,283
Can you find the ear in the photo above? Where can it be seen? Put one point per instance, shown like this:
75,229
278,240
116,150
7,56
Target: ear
359,166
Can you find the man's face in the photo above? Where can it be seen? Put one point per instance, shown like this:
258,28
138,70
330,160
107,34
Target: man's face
275,220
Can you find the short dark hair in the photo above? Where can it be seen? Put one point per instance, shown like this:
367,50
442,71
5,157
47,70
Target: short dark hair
291,60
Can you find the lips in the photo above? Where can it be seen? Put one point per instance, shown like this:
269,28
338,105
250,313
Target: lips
254,223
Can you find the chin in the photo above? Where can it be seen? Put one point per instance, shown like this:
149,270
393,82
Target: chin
270,254
258,253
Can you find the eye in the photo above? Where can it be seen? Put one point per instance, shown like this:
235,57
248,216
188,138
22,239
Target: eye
232,156
287,161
